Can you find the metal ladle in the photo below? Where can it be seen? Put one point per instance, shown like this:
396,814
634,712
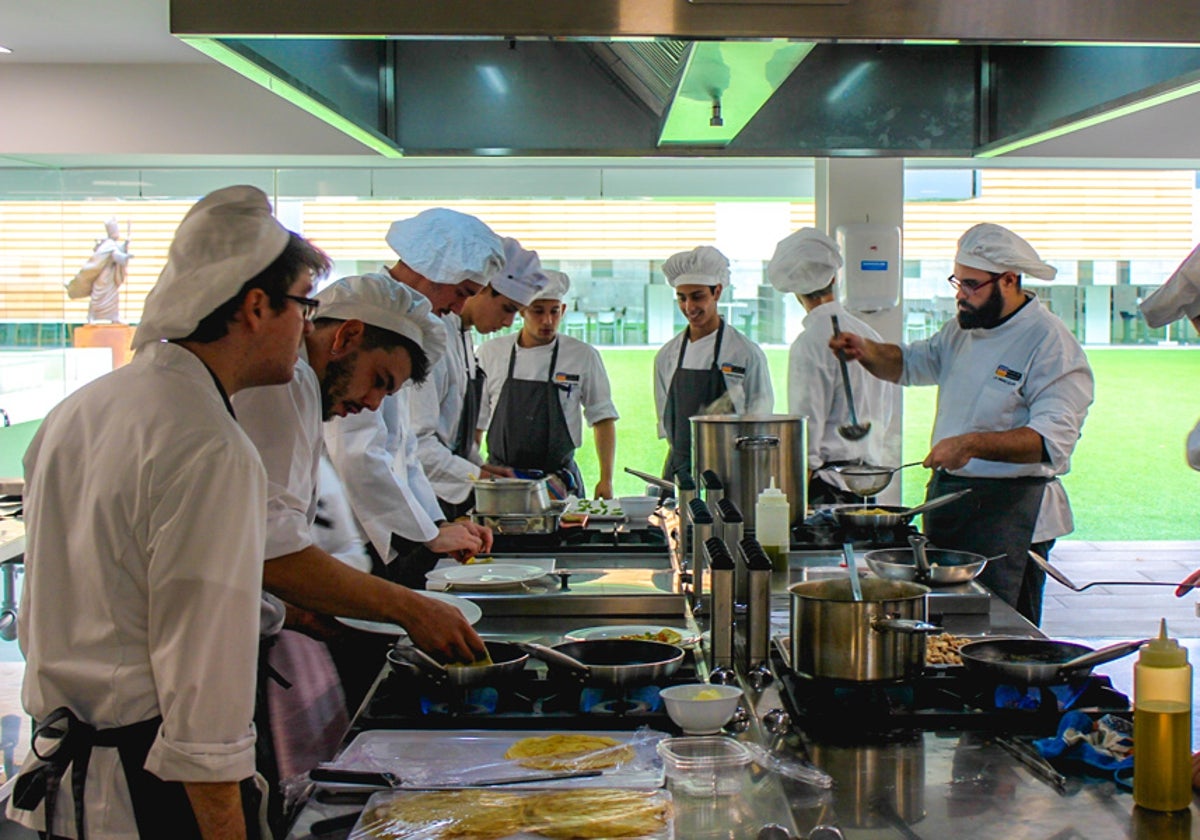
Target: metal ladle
1058,575
852,430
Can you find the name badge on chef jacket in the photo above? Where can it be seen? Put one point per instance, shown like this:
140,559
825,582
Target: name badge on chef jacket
566,381
732,369
1007,375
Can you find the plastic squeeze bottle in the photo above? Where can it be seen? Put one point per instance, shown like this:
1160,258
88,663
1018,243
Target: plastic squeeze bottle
1162,725
772,525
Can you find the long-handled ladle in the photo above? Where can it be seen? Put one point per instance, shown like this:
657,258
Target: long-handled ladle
1058,575
853,430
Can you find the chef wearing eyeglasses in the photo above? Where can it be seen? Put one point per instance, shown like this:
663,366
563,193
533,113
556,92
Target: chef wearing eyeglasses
1014,388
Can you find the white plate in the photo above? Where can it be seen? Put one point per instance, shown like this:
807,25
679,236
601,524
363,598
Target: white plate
471,612
598,510
617,631
486,575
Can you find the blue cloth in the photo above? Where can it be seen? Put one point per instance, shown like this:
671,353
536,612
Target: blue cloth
1011,697
1064,749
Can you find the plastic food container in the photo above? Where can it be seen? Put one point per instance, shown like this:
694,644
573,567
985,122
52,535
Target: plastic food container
704,766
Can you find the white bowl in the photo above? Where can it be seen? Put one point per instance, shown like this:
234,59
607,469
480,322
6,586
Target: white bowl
700,708
638,507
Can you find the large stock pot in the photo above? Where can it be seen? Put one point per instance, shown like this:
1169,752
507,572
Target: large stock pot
879,638
746,451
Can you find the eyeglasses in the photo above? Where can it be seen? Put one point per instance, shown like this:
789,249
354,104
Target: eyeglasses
308,306
972,286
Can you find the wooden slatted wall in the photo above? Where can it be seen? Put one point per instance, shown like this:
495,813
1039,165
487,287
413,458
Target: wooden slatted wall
1066,214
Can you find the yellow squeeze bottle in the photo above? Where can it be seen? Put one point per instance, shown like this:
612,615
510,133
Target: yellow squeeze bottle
1162,725
772,525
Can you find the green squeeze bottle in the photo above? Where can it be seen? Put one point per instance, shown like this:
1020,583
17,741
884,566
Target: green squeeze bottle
1162,725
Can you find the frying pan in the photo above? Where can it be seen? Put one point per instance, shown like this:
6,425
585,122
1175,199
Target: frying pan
851,516
507,661
1037,661
611,662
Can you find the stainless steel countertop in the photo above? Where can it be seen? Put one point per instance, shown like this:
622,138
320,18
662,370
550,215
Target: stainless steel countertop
931,785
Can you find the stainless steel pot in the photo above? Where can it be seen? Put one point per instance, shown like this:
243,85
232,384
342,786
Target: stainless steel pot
495,496
746,451
876,639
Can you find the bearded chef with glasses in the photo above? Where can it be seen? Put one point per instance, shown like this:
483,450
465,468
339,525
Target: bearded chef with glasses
1014,387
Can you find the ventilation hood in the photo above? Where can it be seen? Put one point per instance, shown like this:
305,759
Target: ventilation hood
924,78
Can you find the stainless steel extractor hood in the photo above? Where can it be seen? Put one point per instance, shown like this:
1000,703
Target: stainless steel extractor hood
932,78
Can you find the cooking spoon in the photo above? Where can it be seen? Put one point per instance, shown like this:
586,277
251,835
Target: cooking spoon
1058,575
855,583
853,430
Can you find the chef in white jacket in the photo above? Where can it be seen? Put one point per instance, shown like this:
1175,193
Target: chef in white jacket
710,367
540,388
446,256
446,406
1014,387
145,511
806,264
371,336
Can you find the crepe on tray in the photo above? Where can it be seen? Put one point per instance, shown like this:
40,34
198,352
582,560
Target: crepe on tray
488,815
574,751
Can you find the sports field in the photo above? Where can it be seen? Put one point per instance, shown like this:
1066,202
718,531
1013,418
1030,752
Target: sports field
1128,481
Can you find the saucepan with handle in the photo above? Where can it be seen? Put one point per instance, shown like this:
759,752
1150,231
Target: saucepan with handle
888,516
507,660
1038,661
611,662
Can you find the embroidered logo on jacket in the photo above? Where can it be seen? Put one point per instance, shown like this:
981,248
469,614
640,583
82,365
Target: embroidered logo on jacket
1007,374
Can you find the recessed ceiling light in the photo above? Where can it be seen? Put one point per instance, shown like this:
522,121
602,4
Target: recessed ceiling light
4,50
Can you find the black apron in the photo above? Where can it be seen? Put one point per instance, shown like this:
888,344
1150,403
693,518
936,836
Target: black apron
464,439
529,431
997,516
689,393
161,809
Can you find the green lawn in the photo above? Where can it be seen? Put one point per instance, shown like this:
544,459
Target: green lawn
1129,479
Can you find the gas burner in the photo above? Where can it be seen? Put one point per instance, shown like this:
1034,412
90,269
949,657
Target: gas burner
618,706
637,701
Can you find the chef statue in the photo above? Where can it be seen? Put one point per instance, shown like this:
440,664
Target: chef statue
1177,298
102,275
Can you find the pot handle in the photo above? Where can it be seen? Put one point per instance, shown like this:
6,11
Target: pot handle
1099,657
904,625
556,657
423,661
756,442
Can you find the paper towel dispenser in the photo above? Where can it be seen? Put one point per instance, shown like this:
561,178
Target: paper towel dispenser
870,278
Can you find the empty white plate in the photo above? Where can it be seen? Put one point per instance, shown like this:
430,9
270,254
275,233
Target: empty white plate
471,612
486,575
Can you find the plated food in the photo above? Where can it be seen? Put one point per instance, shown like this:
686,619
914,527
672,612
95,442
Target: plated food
866,512
488,815
572,751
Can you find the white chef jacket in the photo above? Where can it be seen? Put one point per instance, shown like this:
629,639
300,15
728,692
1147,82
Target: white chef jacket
284,422
816,391
436,408
145,512
584,390
747,376
1028,371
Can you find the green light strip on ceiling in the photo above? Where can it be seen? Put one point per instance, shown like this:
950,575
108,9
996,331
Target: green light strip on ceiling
1093,120
235,61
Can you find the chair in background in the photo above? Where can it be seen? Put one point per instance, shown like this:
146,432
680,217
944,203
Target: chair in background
916,327
608,327
575,324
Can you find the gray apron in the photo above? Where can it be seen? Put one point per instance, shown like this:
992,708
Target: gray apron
529,431
997,516
689,393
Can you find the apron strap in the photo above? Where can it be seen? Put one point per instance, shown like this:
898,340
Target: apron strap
716,346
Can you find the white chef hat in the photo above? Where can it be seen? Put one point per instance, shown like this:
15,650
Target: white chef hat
804,262
1179,297
226,239
701,266
997,249
382,302
556,288
522,276
447,247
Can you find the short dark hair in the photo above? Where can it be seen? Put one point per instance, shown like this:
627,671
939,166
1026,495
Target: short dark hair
820,293
377,338
275,280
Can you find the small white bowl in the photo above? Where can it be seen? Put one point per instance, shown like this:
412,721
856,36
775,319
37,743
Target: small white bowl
638,508
700,708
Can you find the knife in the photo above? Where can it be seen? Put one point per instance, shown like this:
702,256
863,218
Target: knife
371,778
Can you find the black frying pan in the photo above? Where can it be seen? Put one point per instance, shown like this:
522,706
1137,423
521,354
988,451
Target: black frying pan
1037,661
507,661
611,662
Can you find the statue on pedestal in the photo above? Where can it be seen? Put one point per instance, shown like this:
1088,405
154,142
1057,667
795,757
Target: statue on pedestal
102,275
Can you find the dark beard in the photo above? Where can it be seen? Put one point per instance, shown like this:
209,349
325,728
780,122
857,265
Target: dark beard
986,315
334,383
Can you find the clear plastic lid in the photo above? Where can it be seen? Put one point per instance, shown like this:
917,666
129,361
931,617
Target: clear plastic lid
703,753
